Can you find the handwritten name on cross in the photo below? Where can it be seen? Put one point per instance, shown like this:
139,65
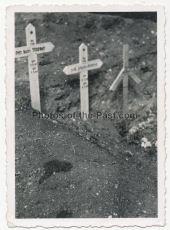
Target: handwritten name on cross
124,74
31,50
83,67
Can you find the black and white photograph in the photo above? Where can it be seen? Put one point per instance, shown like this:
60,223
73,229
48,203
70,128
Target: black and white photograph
85,112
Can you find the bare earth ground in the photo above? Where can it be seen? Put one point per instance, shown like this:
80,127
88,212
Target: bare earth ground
59,174
81,179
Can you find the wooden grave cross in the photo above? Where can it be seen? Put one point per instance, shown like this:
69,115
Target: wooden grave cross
124,74
31,50
83,67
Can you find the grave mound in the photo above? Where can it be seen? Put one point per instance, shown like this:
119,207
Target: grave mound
104,36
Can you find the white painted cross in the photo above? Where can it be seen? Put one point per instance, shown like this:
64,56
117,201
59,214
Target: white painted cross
83,67
124,74
31,50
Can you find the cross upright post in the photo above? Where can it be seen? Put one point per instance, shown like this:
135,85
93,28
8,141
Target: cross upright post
84,90
33,69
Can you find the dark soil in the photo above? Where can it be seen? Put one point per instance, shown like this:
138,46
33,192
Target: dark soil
60,174
54,166
133,15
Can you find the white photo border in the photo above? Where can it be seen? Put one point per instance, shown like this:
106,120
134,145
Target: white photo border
10,120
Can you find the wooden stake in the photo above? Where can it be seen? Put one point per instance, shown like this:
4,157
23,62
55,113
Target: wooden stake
125,55
124,74
125,78
125,94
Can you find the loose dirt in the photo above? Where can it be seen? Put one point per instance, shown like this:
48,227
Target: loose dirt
59,174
